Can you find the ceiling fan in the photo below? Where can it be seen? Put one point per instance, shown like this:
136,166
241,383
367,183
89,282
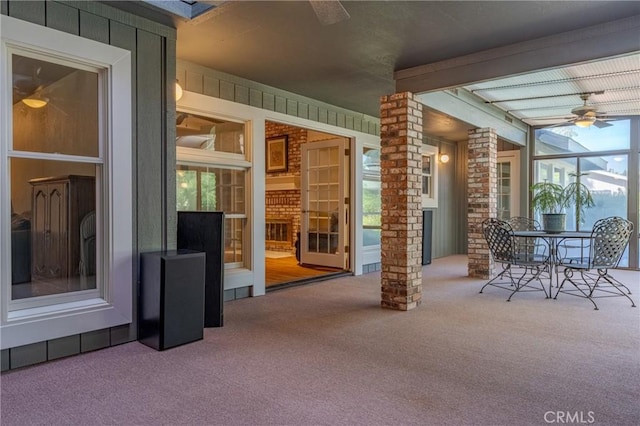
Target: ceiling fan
28,89
585,115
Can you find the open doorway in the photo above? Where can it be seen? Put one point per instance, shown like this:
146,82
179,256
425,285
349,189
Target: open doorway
306,205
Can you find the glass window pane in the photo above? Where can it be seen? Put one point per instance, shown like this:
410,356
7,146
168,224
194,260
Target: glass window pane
371,160
53,227
606,177
233,239
210,188
209,134
55,108
557,170
371,212
187,190
573,139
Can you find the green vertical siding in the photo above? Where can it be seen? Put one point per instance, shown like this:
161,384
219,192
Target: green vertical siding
94,27
149,140
31,11
152,48
62,17
198,79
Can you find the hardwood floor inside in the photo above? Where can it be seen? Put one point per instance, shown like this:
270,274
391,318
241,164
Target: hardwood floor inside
286,269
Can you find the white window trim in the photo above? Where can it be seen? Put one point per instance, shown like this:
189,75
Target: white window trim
116,306
513,157
431,201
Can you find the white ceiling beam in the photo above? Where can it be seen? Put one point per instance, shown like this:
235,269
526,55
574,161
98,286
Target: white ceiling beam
472,110
592,43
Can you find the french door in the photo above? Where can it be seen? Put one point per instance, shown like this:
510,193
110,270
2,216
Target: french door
324,212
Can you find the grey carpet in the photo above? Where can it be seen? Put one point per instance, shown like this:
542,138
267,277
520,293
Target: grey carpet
327,354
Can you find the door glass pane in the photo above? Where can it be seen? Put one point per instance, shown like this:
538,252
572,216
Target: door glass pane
55,108
53,227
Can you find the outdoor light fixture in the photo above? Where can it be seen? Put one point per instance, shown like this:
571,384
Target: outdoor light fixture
35,101
178,91
444,158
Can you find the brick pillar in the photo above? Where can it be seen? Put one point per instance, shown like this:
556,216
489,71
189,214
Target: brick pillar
401,177
483,199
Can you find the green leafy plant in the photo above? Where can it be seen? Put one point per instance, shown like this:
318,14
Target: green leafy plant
576,193
548,197
552,198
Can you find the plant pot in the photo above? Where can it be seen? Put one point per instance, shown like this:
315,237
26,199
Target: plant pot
553,222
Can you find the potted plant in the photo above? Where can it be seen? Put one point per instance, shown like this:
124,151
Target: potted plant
551,200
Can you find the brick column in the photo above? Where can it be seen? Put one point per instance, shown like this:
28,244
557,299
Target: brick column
483,199
401,177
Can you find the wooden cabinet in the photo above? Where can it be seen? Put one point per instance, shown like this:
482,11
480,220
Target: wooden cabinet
58,206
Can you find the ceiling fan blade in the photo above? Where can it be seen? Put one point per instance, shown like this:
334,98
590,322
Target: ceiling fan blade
565,124
329,11
601,124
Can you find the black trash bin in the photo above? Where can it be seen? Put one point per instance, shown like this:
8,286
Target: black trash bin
427,218
204,231
170,305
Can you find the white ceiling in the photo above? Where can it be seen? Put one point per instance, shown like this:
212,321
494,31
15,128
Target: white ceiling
351,63
547,97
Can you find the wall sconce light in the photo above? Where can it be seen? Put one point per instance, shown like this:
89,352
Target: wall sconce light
178,91
444,158
35,101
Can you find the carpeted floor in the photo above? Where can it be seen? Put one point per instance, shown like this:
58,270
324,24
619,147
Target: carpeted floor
327,354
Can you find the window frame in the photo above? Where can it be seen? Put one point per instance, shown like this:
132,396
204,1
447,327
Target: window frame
230,161
114,305
431,200
632,153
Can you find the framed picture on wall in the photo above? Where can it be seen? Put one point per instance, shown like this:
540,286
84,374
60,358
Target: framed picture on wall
277,154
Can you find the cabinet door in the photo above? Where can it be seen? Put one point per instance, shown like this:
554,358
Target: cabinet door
58,231
39,231
50,230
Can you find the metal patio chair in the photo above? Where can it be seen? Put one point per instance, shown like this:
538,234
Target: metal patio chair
527,245
504,250
590,276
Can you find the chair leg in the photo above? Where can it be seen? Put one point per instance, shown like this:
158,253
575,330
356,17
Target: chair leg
535,276
614,284
585,295
506,271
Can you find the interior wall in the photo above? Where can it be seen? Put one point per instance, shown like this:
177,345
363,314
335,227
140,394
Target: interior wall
285,203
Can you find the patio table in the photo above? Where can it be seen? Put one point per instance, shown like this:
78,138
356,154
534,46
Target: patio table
553,240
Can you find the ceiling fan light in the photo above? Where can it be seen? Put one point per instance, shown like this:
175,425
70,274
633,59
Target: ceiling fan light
35,101
584,121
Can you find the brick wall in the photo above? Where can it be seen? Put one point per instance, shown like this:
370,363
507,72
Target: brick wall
401,171
297,137
286,204
482,195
